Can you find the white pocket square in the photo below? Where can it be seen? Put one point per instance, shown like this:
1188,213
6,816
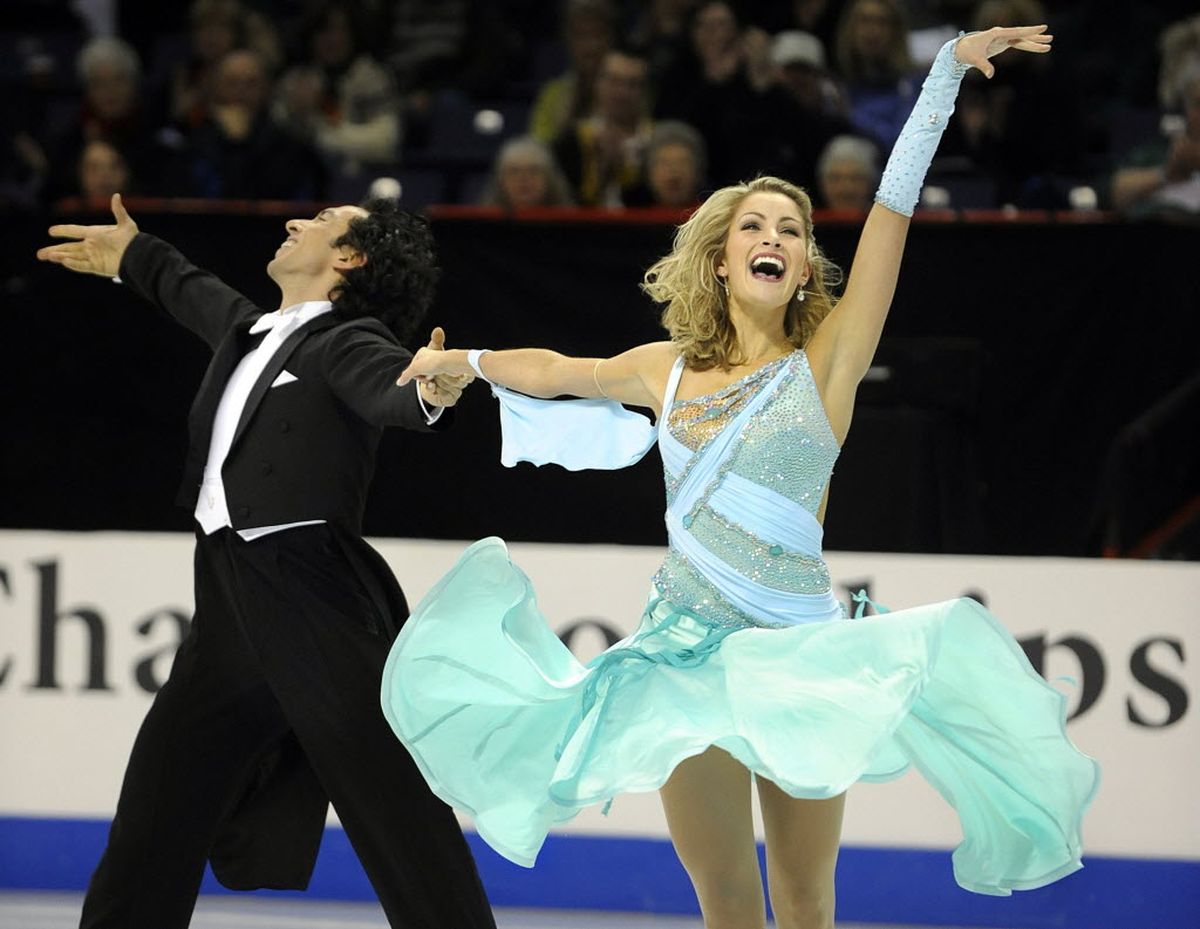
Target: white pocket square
285,377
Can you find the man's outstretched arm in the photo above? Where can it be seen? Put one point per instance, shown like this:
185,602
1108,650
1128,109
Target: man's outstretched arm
153,269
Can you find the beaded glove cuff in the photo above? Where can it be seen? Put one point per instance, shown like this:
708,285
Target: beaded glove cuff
900,186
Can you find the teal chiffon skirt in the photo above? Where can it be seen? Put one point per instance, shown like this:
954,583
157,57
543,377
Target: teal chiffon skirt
508,726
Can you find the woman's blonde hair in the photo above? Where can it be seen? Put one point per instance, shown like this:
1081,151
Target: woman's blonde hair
697,311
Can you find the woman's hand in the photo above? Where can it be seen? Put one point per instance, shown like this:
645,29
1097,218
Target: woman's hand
99,249
976,48
440,379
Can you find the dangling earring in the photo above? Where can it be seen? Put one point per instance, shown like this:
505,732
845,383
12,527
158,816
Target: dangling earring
800,294
724,282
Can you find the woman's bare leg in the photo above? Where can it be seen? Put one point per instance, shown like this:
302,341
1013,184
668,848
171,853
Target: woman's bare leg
802,846
707,802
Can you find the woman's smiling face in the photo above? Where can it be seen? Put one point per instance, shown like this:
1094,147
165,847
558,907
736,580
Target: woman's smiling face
765,258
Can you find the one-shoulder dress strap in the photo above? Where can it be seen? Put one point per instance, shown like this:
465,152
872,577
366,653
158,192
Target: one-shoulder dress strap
669,394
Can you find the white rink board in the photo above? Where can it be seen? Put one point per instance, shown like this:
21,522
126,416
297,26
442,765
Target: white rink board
65,747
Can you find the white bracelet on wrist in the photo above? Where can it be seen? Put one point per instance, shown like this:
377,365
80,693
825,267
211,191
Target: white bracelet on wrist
473,357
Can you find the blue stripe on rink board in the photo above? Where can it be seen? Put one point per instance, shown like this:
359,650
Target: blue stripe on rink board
593,872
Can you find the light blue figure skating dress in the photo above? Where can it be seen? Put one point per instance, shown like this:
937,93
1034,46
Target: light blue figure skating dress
742,646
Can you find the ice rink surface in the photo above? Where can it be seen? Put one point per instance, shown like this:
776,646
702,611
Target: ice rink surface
20,910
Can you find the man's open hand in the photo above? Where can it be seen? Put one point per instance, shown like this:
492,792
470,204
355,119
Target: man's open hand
99,249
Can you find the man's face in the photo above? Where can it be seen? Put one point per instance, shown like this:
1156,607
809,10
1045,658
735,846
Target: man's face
804,82
620,87
871,31
714,30
241,81
308,250
588,38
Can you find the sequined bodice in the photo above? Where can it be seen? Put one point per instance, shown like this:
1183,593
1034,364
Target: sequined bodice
788,447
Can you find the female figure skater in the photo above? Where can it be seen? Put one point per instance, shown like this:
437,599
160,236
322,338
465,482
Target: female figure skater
744,665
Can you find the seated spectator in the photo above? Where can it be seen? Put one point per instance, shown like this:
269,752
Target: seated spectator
339,97
873,61
525,175
1180,44
103,171
110,71
660,34
602,155
439,45
718,87
799,62
1163,176
847,174
238,152
216,28
589,31
675,167
111,110
813,111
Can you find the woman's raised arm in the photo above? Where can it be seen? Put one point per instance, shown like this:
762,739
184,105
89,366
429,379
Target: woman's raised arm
843,346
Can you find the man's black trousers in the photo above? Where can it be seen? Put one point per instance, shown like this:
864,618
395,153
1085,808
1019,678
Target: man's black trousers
285,654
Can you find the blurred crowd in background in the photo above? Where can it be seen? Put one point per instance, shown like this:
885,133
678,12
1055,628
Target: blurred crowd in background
595,103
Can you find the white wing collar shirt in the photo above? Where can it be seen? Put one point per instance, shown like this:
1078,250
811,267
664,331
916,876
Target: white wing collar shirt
212,512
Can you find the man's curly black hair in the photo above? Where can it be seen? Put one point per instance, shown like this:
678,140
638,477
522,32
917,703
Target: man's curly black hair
396,283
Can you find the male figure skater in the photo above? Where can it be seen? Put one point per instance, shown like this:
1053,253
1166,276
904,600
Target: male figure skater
272,710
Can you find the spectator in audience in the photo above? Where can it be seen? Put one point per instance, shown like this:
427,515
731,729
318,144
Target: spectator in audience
873,61
812,112
718,87
676,166
217,27
437,45
111,110
799,62
239,152
1164,175
589,31
339,97
660,33
103,171
603,155
1180,44
847,174
525,175
109,72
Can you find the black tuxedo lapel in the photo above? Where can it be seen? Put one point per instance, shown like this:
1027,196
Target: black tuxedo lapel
274,366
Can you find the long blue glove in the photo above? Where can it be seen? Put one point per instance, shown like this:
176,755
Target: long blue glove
900,186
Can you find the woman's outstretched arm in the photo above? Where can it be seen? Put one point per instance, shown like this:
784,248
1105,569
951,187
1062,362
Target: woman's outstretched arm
636,377
843,346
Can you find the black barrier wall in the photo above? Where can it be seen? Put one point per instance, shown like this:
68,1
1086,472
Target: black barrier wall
1014,355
